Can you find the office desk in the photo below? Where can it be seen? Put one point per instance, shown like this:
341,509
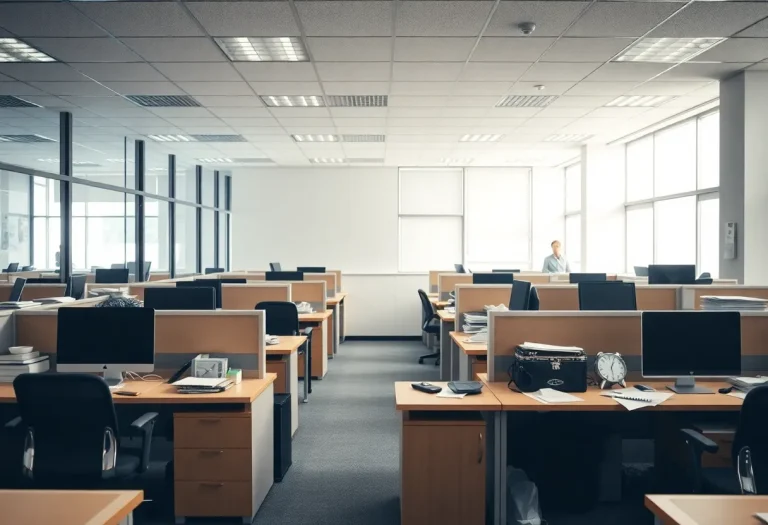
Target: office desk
339,306
447,325
318,321
706,510
237,424
438,304
69,507
283,360
472,358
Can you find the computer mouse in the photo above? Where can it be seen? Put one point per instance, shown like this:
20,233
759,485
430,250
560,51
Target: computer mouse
725,390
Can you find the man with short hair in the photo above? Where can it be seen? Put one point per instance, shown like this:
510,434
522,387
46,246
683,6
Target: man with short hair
556,263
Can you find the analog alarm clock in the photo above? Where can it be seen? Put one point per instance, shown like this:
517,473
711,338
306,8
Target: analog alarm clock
610,369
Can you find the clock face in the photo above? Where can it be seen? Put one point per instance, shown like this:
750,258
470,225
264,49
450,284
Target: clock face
611,368
208,369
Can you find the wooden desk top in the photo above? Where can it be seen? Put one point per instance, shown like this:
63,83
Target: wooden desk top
68,507
448,317
340,296
407,399
287,345
706,510
151,392
594,402
317,317
468,348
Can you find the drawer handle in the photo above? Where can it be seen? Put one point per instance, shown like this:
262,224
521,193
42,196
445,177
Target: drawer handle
480,448
211,452
211,485
210,420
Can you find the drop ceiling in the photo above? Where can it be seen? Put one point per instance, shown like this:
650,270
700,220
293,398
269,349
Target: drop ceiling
445,68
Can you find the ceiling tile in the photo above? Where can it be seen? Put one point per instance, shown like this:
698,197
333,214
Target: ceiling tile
585,49
176,49
620,113
84,49
667,88
277,71
30,19
245,18
417,112
354,122
532,88
185,123
302,121
440,18
407,101
512,112
712,19
241,112
144,88
48,101
355,88
621,71
99,104
737,50
200,71
49,71
422,88
427,71
622,18
494,71
551,17
547,123
346,18
126,71
693,71
215,101
558,112
759,29
580,102
356,112
433,49
492,49
260,122
350,49
84,89
601,88
560,71
473,101
216,88
481,88
18,88
762,66
353,71
142,18
179,112
287,88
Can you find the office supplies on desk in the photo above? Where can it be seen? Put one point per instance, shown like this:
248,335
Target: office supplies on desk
762,516
479,337
644,388
631,399
540,365
427,388
205,366
17,305
55,300
550,395
738,395
271,339
725,390
235,375
97,292
9,370
19,353
451,395
305,308
201,385
470,388
745,384
733,302
450,309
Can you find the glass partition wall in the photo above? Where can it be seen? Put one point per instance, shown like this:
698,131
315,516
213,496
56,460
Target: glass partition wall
133,207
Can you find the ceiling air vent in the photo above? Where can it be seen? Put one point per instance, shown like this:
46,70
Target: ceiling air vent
164,101
525,101
357,101
8,101
218,138
363,138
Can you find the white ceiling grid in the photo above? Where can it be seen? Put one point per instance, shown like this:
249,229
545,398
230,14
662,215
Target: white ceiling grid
444,65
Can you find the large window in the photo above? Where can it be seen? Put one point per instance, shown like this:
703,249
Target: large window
572,248
15,244
46,228
672,196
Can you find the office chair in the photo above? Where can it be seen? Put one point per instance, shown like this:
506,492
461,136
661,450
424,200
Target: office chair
533,303
705,275
428,325
749,453
113,276
282,318
704,278
520,299
275,267
12,267
459,268
75,287
71,435
641,271
17,290
27,268
117,266
209,271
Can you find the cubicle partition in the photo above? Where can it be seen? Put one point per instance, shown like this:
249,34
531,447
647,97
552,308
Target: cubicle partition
691,295
446,283
329,278
159,276
10,276
247,296
338,279
566,297
433,280
34,291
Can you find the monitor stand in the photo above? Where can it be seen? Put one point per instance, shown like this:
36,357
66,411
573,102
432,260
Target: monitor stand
114,379
687,385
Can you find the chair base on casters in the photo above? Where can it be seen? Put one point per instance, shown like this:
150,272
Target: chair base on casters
428,356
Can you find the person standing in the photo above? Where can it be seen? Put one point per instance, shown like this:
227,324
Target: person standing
556,263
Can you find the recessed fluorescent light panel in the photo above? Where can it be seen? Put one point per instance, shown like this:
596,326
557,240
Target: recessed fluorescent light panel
638,101
522,101
170,138
293,101
164,101
263,49
328,161
365,161
315,138
13,50
254,160
480,138
667,50
363,138
218,138
8,101
568,137
82,163
358,101
215,160
26,139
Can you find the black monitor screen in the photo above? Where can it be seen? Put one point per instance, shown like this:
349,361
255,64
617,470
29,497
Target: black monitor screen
311,269
641,271
234,280
204,283
43,280
506,271
586,277
459,268
180,298
521,295
608,295
284,276
677,344
493,278
18,289
117,275
105,336
209,271
672,274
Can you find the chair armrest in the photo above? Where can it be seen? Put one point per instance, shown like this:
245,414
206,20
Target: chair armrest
143,427
697,444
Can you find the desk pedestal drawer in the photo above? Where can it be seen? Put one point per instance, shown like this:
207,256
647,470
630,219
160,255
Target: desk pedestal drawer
212,464
213,432
213,498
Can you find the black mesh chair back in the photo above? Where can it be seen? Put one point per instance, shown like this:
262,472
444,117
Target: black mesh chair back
209,271
112,276
12,267
705,275
27,268
521,295
115,266
533,303
17,290
282,317
275,267
76,287
72,426
428,313
751,439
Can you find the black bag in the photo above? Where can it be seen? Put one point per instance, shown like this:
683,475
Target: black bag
560,370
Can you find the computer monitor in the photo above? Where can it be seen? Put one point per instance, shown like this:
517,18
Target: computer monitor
586,277
75,287
641,271
204,283
275,267
608,295
311,269
234,280
106,340
517,270
114,275
459,268
493,278
521,295
284,276
671,274
116,266
17,290
43,280
184,298
132,269
685,345
209,271
12,267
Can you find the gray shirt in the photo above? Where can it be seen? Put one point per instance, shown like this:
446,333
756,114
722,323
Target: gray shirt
554,264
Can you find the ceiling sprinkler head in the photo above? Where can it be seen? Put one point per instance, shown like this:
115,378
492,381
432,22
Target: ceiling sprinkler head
527,28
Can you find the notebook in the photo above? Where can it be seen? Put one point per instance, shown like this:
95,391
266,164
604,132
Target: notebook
632,399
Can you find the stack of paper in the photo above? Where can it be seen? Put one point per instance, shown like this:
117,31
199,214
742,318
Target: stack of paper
632,399
15,305
498,308
475,322
745,384
732,302
541,347
271,339
13,365
304,308
550,395
55,300
450,310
